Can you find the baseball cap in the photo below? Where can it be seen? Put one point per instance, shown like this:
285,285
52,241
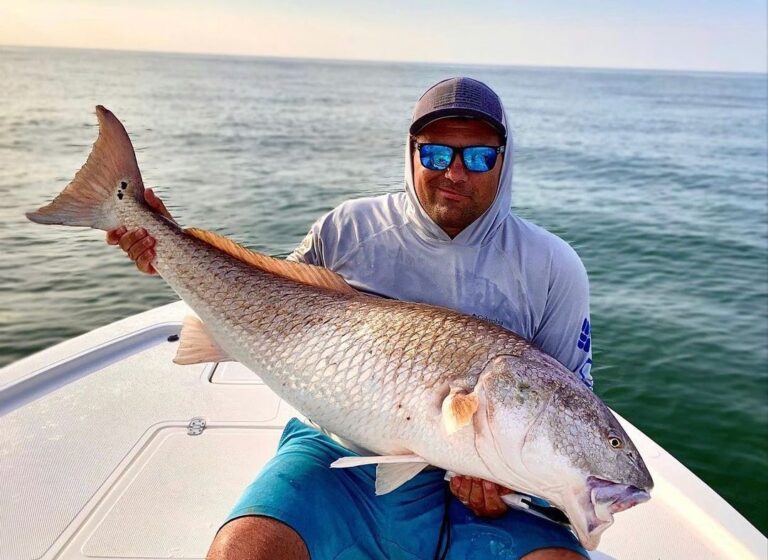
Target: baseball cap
459,97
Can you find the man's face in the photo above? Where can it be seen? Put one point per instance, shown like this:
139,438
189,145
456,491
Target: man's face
455,197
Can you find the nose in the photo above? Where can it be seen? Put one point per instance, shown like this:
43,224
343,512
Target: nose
456,172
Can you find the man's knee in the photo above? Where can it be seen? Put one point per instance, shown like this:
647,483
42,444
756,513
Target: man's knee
257,538
553,554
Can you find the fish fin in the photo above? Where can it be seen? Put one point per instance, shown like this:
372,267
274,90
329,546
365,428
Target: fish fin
392,471
196,346
458,409
90,198
298,272
347,462
391,476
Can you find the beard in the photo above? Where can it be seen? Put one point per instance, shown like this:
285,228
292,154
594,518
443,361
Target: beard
452,206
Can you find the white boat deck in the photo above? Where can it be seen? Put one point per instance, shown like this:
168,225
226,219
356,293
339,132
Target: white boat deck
102,456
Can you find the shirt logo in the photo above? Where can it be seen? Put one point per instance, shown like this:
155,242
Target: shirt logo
489,319
584,341
585,372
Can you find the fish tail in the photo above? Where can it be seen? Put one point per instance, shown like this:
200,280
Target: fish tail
110,173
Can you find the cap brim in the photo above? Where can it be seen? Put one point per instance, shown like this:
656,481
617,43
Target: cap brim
419,124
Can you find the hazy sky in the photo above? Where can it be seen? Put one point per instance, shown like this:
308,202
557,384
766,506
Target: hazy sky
667,34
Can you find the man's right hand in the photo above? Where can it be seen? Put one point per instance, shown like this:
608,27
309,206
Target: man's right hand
137,243
483,497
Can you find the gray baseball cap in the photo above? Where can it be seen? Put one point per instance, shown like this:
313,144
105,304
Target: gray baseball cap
459,97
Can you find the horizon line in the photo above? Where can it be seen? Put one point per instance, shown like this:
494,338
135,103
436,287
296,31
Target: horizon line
387,61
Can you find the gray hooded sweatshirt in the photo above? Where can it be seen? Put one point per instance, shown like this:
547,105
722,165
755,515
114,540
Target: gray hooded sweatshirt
501,268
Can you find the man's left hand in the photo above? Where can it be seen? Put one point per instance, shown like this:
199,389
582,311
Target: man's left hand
481,496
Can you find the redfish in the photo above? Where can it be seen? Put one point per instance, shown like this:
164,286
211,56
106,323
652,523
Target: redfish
417,385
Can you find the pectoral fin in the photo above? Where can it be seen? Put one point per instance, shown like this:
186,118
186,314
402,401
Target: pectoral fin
458,409
196,346
390,476
347,462
392,471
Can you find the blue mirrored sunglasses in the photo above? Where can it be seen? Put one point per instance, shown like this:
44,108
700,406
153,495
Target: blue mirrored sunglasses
439,157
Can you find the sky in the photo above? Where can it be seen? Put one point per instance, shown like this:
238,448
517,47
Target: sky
708,35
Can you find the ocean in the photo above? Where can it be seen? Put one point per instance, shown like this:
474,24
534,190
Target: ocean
658,179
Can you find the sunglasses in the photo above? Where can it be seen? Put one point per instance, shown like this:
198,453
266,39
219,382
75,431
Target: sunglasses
439,157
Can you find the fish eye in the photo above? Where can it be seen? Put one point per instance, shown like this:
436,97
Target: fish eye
615,442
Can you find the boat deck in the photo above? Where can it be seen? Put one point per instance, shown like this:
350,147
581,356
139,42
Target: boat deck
110,450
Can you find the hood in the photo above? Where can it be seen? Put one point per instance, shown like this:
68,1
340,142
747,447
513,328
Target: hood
481,230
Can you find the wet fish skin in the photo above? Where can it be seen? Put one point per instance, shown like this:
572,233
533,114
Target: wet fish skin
378,372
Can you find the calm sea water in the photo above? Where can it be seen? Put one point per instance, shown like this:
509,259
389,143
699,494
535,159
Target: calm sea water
657,179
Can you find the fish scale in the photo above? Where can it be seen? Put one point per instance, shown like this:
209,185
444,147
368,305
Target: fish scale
381,344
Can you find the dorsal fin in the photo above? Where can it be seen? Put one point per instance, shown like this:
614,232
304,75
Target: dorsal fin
298,272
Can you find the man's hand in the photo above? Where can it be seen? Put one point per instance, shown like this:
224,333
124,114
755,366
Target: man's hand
137,243
481,496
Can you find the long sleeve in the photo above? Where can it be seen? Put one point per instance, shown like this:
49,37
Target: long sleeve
310,250
565,329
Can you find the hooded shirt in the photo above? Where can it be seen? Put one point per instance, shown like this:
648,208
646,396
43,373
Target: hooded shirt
500,268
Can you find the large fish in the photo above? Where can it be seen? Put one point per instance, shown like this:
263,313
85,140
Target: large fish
414,383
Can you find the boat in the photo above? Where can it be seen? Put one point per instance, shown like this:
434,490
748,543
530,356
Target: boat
110,450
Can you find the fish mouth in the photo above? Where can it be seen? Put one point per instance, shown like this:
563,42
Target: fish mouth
608,498
592,512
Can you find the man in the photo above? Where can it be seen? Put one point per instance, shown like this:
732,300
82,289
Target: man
451,240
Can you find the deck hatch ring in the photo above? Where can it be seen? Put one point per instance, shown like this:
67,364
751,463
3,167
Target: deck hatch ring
196,426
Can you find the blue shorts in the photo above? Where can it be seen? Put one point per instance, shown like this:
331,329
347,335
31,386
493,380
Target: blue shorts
339,517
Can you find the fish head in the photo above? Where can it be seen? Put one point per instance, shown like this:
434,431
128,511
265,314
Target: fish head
604,471
540,431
